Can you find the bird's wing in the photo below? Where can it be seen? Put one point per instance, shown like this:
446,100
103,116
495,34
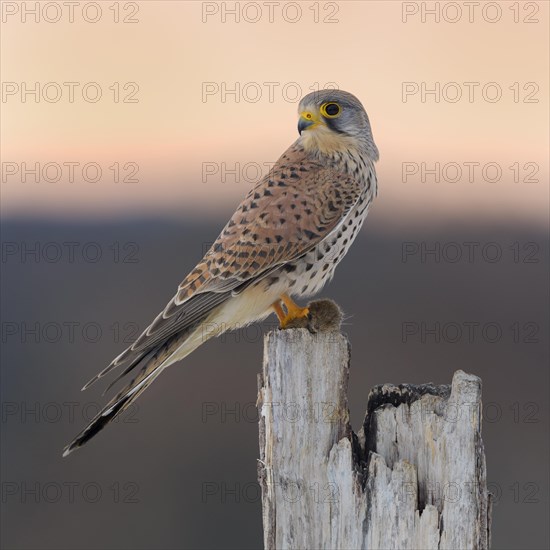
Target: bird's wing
291,211
285,215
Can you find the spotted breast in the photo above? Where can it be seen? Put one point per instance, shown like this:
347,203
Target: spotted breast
308,274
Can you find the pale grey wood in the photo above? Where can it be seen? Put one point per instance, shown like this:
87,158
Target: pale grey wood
414,477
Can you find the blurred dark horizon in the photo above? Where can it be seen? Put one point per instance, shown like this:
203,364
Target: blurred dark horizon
421,301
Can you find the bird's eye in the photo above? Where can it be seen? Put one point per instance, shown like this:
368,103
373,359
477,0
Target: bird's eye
330,110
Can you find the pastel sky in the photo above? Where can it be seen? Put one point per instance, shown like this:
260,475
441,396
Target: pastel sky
162,111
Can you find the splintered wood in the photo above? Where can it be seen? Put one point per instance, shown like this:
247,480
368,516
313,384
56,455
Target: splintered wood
413,478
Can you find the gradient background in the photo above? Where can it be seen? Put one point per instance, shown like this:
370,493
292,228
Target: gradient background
181,464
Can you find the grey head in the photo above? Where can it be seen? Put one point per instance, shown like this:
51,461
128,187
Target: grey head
330,117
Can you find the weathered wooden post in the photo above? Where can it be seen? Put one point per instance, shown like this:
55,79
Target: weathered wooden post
414,477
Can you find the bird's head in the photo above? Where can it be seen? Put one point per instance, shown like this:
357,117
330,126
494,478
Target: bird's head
335,121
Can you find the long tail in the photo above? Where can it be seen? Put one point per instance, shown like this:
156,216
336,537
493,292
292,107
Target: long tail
176,332
110,412
152,365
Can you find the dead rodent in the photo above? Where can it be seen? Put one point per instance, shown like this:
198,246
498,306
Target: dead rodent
323,316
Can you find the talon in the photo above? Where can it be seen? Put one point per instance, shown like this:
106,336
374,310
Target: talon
294,311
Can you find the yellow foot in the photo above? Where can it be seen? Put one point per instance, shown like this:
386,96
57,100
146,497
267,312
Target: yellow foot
293,310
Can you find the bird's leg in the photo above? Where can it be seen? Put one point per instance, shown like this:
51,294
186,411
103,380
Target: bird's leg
280,312
294,311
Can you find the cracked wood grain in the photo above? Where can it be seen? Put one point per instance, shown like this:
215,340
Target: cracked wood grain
413,477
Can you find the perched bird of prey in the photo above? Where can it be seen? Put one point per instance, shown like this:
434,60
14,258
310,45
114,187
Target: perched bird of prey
285,239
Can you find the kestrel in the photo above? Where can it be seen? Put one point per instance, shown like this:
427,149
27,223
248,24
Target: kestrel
285,239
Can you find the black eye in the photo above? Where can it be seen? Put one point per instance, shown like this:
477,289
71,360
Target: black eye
331,109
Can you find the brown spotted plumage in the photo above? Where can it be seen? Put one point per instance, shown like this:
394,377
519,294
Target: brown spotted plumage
285,239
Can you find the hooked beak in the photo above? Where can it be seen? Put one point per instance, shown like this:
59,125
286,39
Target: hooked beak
306,120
